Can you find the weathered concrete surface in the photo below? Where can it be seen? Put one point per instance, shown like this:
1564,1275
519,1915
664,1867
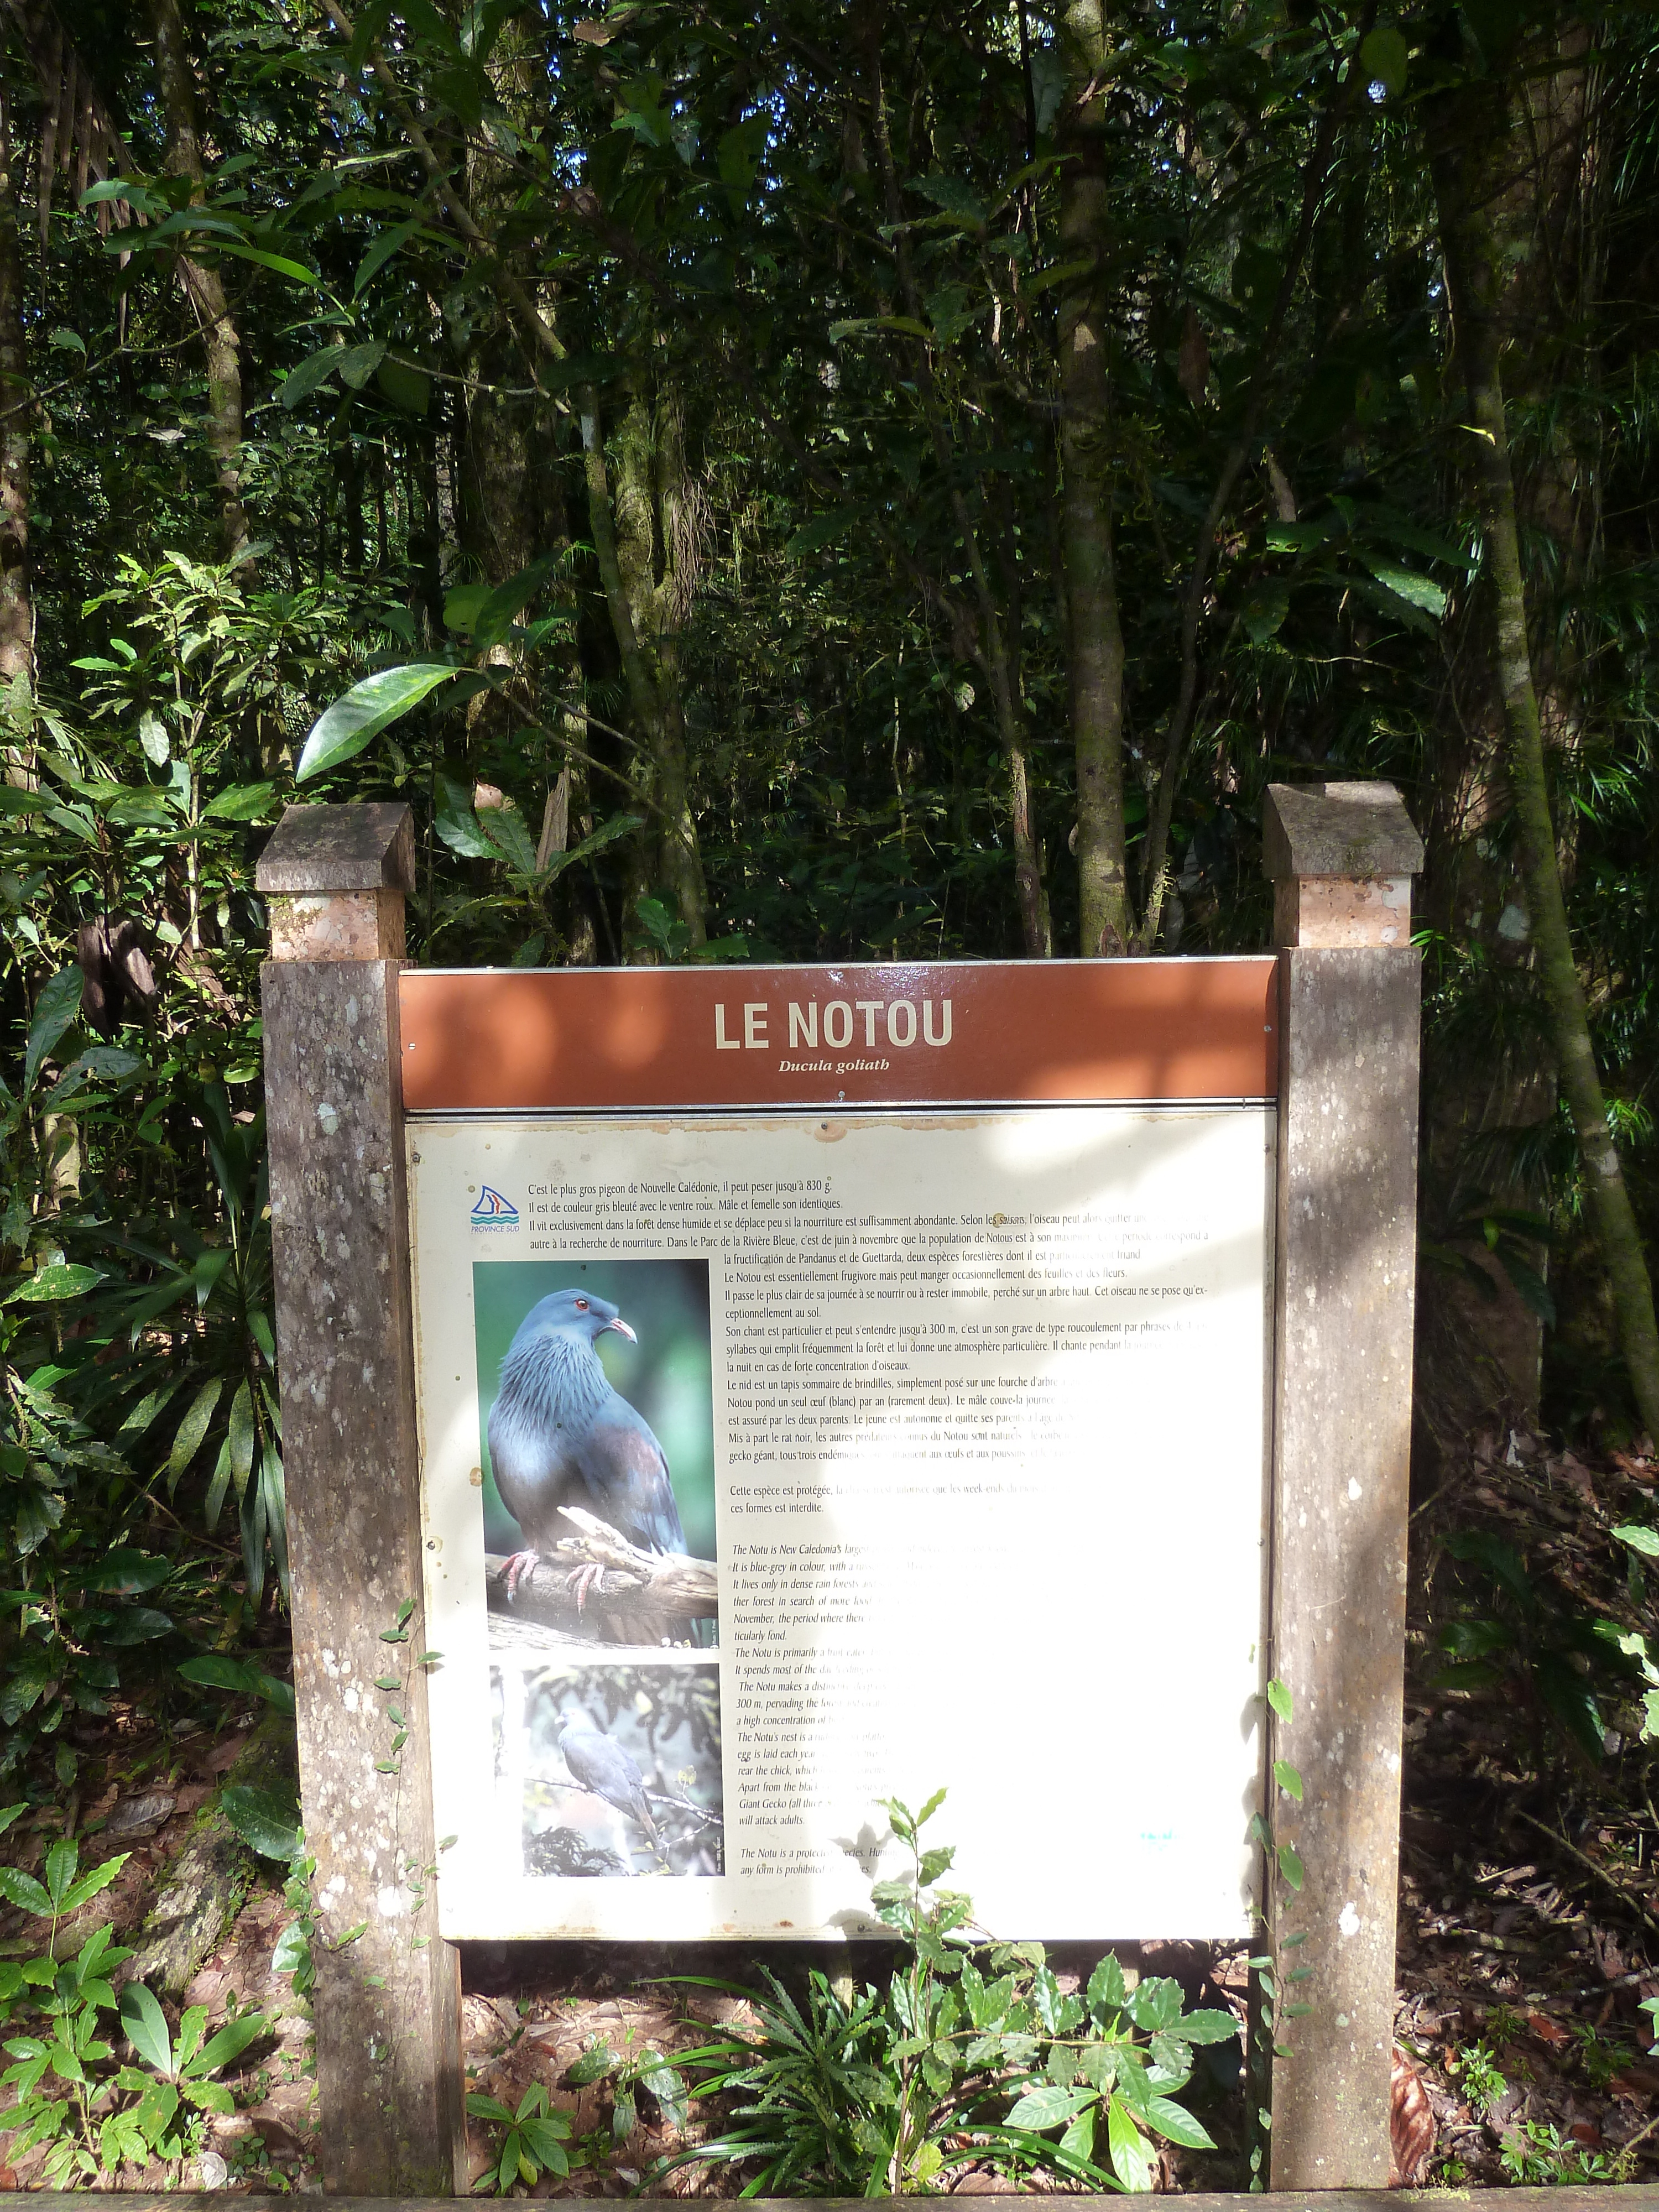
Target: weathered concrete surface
1327,828
387,2001
320,851
1336,912
341,926
1346,1252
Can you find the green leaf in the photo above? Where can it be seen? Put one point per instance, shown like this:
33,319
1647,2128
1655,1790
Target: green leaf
153,737
1176,2125
217,1670
409,391
504,826
1108,1991
737,156
133,1623
1156,2004
23,1890
381,250
1640,1539
243,802
293,1952
91,1883
1278,1697
1287,1778
1048,2106
59,1004
1290,1865
312,372
1208,2028
266,1819
49,1286
241,1435
146,2028
192,1429
363,713
227,2044
823,530
1385,58
295,271
1131,2153
357,364
592,2066
1409,584
61,1861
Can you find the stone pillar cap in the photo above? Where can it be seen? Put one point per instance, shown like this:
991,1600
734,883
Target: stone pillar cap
316,851
1354,830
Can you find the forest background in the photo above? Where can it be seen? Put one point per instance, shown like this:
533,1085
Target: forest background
805,483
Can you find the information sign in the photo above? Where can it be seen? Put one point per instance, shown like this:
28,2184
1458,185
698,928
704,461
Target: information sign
933,1318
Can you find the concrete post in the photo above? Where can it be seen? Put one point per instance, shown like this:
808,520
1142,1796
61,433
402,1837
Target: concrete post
387,2001
1342,856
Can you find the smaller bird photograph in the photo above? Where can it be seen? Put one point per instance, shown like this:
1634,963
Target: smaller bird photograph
596,1410
617,1769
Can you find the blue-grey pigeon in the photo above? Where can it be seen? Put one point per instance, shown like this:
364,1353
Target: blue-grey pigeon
600,1763
559,1435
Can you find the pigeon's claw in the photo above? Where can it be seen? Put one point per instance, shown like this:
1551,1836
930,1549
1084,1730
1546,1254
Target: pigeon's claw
520,1565
581,1582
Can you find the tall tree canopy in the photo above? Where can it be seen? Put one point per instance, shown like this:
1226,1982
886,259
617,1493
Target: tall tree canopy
802,482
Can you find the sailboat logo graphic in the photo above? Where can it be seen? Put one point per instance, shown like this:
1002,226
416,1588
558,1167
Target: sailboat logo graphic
494,1211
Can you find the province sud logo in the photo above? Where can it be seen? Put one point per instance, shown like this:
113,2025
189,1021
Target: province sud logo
493,1211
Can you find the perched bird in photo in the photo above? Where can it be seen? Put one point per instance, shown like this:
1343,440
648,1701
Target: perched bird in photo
600,1763
559,1435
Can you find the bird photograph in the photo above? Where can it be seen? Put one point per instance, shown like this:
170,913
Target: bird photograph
622,1772
595,1390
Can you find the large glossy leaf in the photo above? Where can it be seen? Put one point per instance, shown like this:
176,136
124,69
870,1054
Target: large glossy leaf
47,1286
1178,2125
370,706
1131,2155
192,1429
1048,2106
265,1819
229,2042
147,2028
54,1009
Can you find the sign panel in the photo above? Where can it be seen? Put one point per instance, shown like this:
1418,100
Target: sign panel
981,1033
965,1413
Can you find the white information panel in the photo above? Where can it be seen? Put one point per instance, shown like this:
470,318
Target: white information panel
969,1409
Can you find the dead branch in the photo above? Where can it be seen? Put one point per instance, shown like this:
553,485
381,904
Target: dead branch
628,1582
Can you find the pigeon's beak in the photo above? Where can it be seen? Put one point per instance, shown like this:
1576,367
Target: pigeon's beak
621,1329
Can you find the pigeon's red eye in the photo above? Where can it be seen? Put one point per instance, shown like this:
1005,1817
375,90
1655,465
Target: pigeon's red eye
581,1305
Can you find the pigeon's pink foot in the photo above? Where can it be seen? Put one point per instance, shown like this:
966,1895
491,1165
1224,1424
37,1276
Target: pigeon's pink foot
581,1582
520,1565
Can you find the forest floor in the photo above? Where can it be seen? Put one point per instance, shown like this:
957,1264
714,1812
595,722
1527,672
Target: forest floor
1529,1906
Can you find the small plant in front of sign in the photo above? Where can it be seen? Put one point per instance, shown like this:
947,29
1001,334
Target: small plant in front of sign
533,2140
1480,2079
629,2072
971,2054
1536,2155
68,2093
1277,1973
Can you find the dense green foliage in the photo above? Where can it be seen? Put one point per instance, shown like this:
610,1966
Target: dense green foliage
969,2053
673,417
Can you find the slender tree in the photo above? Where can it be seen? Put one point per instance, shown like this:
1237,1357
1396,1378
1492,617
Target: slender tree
204,287
1473,130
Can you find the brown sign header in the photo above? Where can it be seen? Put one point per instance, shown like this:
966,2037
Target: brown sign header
934,1033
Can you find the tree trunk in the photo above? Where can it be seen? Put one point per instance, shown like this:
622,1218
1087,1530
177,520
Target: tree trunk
1473,128
643,616
1095,658
204,287
16,603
